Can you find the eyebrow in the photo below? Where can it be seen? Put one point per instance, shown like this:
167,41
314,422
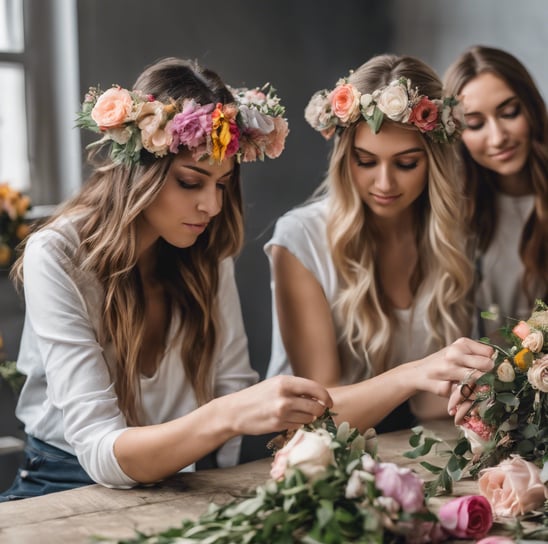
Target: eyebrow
206,172
501,106
404,152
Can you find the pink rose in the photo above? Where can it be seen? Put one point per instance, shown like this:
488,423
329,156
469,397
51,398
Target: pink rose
191,127
345,103
112,108
496,540
466,517
424,115
521,330
538,374
513,487
308,451
402,484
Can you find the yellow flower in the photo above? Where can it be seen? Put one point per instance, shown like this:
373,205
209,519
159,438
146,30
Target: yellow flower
220,133
523,359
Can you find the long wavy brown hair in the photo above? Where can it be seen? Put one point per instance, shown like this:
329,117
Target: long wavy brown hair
480,184
107,208
443,271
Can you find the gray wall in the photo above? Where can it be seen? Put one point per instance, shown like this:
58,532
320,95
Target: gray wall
299,46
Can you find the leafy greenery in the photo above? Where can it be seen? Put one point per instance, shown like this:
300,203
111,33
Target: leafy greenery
508,408
301,509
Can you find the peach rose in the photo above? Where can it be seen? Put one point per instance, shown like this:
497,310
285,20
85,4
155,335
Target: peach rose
151,120
521,330
112,108
275,140
534,341
345,103
538,374
310,452
513,487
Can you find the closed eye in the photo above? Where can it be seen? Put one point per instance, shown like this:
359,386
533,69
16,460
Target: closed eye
186,185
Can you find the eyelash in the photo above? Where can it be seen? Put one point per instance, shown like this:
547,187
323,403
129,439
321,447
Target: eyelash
401,166
512,114
190,186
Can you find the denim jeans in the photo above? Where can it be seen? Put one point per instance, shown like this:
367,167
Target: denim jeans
45,469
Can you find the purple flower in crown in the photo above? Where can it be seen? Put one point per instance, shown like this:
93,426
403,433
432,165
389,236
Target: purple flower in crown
191,126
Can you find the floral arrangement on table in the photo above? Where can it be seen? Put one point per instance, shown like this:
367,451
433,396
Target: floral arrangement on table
130,121
504,439
440,119
13,229
328,486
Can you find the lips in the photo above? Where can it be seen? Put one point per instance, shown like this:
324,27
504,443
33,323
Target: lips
505,154
384,199
196,227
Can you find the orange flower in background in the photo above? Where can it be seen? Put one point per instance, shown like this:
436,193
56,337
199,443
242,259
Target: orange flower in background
13,229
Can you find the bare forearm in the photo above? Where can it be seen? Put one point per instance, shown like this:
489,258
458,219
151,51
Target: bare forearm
151,453
366,403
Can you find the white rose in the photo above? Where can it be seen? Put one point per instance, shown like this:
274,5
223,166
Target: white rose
505,372
311,453
318,111
447,120
534,341
354,486
393,102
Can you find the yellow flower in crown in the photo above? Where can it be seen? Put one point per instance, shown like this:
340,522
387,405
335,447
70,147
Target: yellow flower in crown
225,135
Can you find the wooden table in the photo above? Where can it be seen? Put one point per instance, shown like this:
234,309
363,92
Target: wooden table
75,516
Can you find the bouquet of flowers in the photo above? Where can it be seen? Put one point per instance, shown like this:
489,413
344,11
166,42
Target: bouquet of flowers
504,438
327,485
13,229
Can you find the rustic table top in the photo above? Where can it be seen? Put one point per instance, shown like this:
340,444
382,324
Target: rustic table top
77,515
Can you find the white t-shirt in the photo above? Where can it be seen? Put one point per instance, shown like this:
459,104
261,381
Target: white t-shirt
68,399
500,289
302,231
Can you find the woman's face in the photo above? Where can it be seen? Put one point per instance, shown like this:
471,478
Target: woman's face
389,168
190,197
497,134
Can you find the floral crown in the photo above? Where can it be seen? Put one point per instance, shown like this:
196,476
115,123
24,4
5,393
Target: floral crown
250,127
440,119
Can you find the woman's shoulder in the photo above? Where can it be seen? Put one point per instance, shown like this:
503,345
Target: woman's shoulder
60,237
310,215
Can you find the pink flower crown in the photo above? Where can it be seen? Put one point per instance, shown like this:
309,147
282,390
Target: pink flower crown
440,119
250,127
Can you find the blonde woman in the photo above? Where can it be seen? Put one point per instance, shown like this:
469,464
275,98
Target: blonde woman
133,346
373,272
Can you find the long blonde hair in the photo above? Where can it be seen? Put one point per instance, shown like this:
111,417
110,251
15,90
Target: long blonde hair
480,183
107,208
443,263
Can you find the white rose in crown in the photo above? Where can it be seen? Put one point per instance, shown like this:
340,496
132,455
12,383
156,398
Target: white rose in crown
308,451
393,102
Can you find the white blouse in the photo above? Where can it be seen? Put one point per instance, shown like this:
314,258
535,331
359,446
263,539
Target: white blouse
68,399
303,232
501,269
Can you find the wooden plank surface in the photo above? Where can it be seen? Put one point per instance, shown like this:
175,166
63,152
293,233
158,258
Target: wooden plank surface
77,515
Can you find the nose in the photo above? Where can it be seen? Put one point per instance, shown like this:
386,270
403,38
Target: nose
383,180
210,200
497,134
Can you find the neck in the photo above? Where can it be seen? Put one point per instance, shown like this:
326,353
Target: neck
396,229
518,184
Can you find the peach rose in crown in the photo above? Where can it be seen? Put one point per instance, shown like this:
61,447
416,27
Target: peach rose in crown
534,341
112,108
308,451
345,103
513,487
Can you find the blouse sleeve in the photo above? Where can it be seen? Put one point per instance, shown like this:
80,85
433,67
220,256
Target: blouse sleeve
79,382
233,369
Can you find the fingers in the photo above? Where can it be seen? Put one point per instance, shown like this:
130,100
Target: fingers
471,354
303,387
